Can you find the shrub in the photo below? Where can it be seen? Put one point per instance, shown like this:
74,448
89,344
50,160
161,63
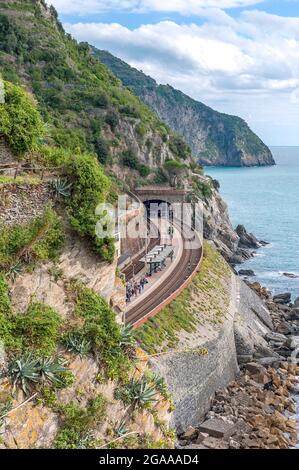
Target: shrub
202,189
90,188
112,119
77,423
5,311
38,329
102,332
144,170
179,147
20,122
61,187
101,149
24,373
39,240
130,160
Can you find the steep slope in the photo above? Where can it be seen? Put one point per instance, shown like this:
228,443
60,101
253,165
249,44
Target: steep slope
215,138
84,105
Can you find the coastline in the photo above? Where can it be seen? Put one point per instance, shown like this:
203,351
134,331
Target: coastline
258,410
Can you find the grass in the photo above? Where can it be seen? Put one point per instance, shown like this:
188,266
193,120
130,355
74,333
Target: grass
20,180
205,295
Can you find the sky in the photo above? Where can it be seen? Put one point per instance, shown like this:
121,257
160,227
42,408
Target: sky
238,56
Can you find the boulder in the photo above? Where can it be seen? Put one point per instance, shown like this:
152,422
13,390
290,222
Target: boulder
284,328
190,434
277,337
246,272
217,428
296,303
269,362
291,275
247,240
254,368
293,315
284,298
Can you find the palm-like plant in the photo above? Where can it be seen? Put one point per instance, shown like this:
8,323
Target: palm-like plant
61,187
141,393
76,343
121,429
50,369
14,271
24,372
127,339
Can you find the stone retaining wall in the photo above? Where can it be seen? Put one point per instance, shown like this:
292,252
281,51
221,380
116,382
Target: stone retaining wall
6,155
19,204
193,378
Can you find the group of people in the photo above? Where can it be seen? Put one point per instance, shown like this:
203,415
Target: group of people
135,288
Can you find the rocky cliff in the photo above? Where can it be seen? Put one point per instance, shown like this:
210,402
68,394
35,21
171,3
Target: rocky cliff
215,138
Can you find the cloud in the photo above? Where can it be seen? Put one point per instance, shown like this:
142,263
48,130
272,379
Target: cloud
248,65
255,52
183,7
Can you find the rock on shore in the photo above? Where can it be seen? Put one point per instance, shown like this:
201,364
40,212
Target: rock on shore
257,410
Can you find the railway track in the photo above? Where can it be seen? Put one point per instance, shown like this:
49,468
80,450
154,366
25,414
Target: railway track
155,239
165,290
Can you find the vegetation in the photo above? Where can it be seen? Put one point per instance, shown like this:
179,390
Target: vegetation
90,188
39,240
67,80
175,170
38,329
227,137
206,295
130,160
137,392
77,422
20,122
102,332
27,371
202,189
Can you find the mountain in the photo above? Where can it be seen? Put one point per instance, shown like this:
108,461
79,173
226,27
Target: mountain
83,104
87,110
215,138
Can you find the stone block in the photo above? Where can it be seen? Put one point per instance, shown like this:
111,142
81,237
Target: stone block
217,428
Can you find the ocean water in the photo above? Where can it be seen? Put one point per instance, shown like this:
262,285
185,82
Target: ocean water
266,201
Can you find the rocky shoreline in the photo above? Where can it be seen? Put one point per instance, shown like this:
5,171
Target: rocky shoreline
257,410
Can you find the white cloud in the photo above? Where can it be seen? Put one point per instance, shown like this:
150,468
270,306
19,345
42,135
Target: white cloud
233,64
184,7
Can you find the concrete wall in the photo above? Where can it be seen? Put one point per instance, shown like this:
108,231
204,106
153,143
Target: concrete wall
192,378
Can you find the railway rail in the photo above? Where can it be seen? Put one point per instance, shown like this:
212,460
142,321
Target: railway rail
168,289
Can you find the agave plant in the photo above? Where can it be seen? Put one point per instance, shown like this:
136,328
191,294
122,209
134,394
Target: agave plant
76,343
127,339
121,429
61,187
14,271
50,369
24,372
159,383
141,392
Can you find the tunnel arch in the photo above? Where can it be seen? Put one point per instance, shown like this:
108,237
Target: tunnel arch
157,208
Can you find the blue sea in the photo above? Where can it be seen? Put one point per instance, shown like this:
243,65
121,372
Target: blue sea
266,201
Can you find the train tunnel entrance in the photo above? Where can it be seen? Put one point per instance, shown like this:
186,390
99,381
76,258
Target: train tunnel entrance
157,208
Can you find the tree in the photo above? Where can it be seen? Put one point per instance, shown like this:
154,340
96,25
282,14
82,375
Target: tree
175,170
20,122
